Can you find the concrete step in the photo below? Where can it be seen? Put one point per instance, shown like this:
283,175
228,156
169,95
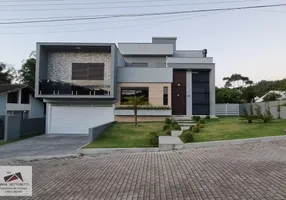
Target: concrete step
186,124
176,133
170,143
185,128
178,118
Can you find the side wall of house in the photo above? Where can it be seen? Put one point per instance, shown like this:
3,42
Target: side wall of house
37,108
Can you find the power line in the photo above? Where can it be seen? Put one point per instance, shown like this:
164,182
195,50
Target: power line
143,14
126,7
117,27
82,3
84,23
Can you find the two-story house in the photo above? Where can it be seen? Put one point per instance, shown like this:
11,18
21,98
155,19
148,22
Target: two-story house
82,83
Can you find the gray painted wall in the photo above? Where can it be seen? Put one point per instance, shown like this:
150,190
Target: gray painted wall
29,126
16,127
3,101
272,105
165,40
94,132
37,108
142,75
192,65
188,54
152,61
145,49
12,128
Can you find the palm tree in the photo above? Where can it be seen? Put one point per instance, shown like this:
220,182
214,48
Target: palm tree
135,102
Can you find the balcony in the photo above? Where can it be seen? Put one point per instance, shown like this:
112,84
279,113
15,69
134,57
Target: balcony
75,88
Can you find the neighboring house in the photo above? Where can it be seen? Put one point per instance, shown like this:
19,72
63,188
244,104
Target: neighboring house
18,100
82,83
281,93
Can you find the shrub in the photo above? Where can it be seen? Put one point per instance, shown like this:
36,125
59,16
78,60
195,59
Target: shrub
198,123
153,139
174,123
177,127
191,127
196,129
166,127
202,121
168,121
187,136
168,132
196,118
208,117
201,125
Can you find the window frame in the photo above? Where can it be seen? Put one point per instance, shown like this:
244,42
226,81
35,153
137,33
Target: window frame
122,101
87,74
165,96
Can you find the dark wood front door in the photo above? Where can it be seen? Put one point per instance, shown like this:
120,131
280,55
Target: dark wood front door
179,93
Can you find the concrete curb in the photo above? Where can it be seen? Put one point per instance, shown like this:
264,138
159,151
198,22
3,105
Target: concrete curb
35,158
94,151
233,142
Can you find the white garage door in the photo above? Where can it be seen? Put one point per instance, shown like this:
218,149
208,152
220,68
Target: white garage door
77,119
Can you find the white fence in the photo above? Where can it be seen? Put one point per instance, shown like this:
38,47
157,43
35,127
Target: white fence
227,109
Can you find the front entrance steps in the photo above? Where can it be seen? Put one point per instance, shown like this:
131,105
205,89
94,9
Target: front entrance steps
184,121
170,143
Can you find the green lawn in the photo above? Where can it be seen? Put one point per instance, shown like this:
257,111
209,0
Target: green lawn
126,135
230,128
21,138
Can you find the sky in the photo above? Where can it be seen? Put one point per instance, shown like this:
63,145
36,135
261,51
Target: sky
248,42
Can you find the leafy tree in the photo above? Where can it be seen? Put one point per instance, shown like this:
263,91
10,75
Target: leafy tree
248,94
27,72
7,74
227,95
237,81
271,97
135,102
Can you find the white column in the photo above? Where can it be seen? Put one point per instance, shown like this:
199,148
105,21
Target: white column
48,118
189,96
212,92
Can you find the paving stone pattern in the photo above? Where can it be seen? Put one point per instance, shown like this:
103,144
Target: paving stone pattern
249,171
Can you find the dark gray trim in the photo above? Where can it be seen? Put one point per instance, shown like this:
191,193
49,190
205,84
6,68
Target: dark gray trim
95,132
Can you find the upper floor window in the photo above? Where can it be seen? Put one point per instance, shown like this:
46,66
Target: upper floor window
134,91
88,71
12,97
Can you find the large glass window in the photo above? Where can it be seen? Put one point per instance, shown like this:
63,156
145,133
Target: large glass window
200,90
165,96
134,91
87,71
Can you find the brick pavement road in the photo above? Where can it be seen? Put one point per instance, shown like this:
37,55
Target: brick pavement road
252,171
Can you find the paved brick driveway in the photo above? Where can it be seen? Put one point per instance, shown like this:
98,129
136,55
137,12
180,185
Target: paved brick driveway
252,171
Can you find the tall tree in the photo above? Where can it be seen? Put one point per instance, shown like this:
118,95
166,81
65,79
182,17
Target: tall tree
27,72
135,102
7,73
237,81
248,94
227,95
